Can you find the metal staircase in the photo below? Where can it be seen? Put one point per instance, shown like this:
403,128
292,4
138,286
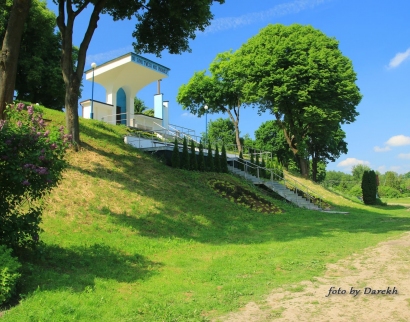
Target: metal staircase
252,172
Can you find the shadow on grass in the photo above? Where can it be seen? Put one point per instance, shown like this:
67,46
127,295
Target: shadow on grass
187,208
76,268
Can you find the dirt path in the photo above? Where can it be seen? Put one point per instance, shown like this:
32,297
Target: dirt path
380,267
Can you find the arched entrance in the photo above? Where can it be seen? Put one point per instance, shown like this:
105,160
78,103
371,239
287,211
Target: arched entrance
121,107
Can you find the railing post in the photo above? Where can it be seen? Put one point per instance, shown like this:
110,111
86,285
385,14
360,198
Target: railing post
257,171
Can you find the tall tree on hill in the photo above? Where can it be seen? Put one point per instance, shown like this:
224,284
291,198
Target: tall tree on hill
221,91
299,75
193,163
224,160
217,161
10,51
175,155
210,160
38,77
185,156
162,25
221,130
201,158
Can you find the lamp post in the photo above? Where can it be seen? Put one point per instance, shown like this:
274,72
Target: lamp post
206,123
93,65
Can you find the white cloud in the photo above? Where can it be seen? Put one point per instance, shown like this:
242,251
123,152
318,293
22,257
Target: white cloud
398,140
404,155
101,58
399,58
379,149
283,9
350,162
395,168
382,169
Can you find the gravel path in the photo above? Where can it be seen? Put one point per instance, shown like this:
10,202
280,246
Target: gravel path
385,267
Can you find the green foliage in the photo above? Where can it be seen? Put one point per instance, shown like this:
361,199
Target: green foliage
388,192
392,180
217,160
39,78
201,158
9,274
369,187
175,155
356,190
302,91
269,137
224,160
358,170
140,107
31,164
221,91
192,158
185,156
210,160
221,131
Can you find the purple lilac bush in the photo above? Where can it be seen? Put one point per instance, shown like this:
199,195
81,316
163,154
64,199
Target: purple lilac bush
31,164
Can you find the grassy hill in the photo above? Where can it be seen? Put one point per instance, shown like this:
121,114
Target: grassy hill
127,238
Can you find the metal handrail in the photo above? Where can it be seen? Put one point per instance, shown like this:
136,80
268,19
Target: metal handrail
248,164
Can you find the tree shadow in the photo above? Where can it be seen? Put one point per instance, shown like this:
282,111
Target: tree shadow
187,218
76,268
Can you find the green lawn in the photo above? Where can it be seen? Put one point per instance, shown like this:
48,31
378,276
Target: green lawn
127,238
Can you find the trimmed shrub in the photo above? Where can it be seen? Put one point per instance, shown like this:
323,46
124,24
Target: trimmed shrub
210,160
241,164
224,160
9,274
369,187
192,158
201,158
175,155
263,172
217,161
252,169
185,156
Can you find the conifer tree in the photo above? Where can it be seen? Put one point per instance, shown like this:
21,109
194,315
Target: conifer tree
241,161
201,159
185,156
224,160
217,161
369,187
263,170
252,169
175,155
192,158
210,160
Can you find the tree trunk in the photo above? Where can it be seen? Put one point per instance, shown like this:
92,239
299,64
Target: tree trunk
238,139
71,106
304,167
314,169
10,52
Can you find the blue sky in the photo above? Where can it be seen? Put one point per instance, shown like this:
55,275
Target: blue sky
375,35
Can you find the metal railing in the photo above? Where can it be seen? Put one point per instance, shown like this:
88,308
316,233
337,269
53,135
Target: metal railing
254,170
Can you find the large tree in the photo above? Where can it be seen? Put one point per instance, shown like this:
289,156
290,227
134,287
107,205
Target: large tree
221,91
300,75
38,77
161,25
10,51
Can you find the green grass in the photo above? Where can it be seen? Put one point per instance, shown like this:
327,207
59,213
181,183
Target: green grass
127,238
403,200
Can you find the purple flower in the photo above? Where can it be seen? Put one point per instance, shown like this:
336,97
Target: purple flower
25,183
42,171
20,107
61,128
41,123
30,110
46,133
19,124
41,157
53,146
